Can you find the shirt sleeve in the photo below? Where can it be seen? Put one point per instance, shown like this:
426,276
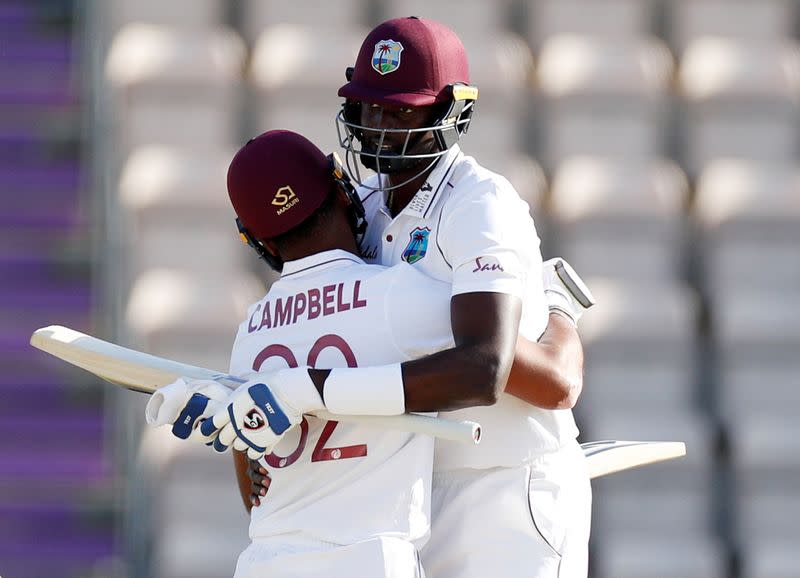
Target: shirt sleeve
417,310
237,364
488,238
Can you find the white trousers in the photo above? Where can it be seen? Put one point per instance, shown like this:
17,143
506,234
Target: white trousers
378,558
525,522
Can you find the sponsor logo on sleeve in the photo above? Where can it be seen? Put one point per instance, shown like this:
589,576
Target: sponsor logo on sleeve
487,264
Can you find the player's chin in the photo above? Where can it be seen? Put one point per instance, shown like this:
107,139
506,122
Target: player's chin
381,163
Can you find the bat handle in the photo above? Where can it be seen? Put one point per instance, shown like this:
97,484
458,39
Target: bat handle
460,431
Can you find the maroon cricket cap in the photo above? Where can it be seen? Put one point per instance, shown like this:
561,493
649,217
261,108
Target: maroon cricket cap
276,181
407,62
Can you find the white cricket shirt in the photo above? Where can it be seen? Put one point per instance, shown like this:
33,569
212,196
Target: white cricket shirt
468,227
331,481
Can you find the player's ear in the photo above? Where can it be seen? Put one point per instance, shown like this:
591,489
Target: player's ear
271,246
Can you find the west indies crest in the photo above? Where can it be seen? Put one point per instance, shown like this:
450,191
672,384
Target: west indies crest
386,57
417,245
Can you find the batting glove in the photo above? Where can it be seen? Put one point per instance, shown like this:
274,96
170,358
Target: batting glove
262,410
565,290
185,404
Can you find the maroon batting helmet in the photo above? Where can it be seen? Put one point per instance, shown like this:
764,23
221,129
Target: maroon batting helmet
278,180
408,62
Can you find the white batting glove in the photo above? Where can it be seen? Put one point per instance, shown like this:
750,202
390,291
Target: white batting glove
565,290
185,403
262,410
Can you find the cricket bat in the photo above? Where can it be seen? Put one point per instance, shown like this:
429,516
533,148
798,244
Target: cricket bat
143,372
612,456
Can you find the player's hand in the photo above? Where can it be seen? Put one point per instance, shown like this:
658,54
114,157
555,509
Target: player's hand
262,410
259,481
565,290
185,403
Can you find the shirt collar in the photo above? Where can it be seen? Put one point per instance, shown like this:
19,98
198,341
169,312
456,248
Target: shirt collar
430,190
333,259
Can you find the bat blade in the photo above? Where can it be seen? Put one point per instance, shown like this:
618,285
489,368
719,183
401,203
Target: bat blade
146,373
612,456
119,365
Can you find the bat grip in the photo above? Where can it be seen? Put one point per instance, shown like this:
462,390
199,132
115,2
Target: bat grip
459,431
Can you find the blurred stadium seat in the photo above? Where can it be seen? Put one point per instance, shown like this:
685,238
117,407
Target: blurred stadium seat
177,87
501,69
757,340
742,100
603,96
635,556
620,217
178,211
156,178
472,20
182,14
297,72
189,474
169,311
753,21
143,54
608,18
323,16
301,58
523,172
748,213
502,65
640,357
765,453
573,65
770,558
